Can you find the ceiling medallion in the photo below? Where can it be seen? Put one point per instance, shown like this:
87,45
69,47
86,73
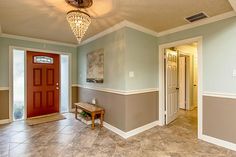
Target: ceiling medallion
80,3
79,21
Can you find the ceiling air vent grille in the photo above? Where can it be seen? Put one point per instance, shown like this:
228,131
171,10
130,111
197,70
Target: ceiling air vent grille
196,17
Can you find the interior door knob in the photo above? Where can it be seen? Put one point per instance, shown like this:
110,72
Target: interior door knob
177,88
57,88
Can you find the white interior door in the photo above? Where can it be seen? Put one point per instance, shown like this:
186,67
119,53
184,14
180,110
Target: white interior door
182,80
171,85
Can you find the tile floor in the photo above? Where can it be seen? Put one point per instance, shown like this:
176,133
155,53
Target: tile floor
71,138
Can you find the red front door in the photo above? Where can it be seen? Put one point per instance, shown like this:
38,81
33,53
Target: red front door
42,83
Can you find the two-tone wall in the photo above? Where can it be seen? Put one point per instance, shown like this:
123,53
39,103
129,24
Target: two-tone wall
130,101
5,44
128,51
219,85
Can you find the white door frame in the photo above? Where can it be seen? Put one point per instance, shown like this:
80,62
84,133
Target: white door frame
11,48
200,80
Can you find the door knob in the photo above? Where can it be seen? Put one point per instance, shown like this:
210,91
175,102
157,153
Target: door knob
57,88
177,88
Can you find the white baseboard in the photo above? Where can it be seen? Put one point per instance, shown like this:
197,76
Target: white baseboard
5,121
219,142
131,133
115,130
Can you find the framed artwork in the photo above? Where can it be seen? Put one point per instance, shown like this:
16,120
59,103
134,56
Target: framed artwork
95,66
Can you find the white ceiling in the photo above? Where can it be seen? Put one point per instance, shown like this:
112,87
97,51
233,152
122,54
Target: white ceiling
46,19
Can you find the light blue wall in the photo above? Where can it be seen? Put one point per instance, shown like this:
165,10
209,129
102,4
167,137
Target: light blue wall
124,50
4,56
141,57
114,60
130,50
219,53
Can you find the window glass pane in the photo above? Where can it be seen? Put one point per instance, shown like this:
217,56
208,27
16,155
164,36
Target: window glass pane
64,83
43,59
18,84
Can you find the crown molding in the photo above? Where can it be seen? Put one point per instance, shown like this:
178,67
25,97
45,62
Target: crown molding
103,33
11,36
233,4
140,28
199,23
118,26
129,24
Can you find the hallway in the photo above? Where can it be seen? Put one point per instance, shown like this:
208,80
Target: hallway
70,137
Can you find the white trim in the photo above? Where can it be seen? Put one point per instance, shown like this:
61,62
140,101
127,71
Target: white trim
140,28
131,133
129,24
115,91
118,26
142,129
103,33
37,40
75,85
161,78
219,142
4,88
115,130
233,4
220,95
11,76
5,121
199,23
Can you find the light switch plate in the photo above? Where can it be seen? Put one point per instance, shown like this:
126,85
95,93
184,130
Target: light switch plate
131,74
234,73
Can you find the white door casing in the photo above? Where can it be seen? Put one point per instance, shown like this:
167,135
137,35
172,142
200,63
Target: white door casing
182,86
195,83
171,85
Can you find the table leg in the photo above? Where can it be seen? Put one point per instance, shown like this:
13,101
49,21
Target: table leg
101,119
93,117
76,112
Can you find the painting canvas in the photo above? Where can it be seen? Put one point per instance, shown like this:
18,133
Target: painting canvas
95,66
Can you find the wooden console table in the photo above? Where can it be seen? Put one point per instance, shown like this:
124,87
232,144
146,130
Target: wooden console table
92,109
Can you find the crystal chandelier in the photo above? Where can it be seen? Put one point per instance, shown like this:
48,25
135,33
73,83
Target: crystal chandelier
79,21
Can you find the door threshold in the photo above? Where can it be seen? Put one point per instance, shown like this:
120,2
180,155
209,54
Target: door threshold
47,115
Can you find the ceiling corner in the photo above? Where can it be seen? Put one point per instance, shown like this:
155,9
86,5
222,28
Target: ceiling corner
233,4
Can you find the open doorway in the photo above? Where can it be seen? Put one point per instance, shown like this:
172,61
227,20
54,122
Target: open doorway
180,82
32,69
180,68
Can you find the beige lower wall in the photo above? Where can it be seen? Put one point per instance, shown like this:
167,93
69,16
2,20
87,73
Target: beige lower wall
141,109
219,117
114,105
125,112
4,104
75,96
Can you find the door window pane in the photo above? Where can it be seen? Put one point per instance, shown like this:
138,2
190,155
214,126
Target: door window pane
43,59
18,84
64,83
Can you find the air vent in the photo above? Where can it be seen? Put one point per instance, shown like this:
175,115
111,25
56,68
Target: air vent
196,17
